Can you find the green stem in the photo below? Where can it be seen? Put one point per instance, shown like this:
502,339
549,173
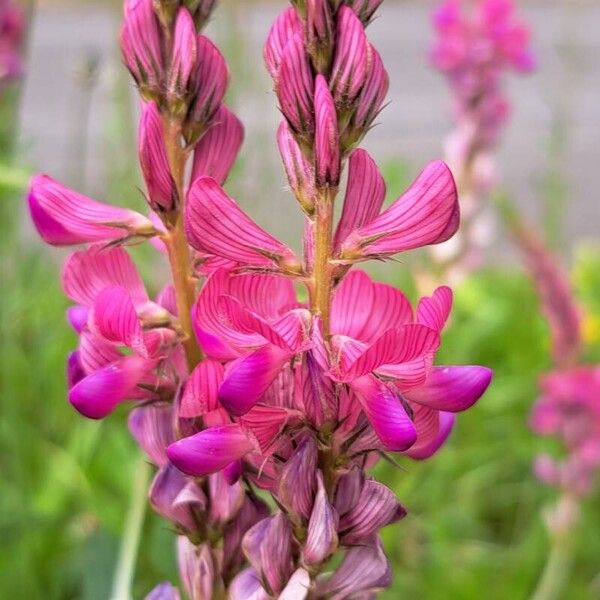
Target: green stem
130,542
558,564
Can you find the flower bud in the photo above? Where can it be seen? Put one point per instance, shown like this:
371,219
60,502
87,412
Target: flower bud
299,171
319,33
327,143
141,46
209,80
285,27
162,192
364,9
183,62
197,569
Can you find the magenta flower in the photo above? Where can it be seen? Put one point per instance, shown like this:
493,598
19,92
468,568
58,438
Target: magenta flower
11,38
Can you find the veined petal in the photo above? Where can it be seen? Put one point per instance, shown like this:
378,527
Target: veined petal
452,389
64,217
210,450
197,568
427,213
386,414
215,223
265,423
248,378
364,569
433,428
364,310
200,395
217,149
434,310
225,500
327,139
95,352
287,24
152,427
365,193
88,272
294,86
348,490
246,586
183,56
268,548
321,537
373,92
376,507
98,394
395,347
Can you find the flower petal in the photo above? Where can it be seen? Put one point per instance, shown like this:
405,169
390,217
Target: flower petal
215,223
200,395
434,311
164,591
427,213
246,586
265,423
282,31
365,193
247,379
210,450
86,273
98,394
433,429
152,427
218,148
64,217
452,389
297,587
386,414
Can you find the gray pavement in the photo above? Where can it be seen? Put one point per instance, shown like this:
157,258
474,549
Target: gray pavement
65,123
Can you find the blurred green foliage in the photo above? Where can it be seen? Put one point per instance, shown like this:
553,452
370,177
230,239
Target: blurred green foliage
474,528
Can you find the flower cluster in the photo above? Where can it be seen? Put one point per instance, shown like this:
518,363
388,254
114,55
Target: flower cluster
11,38
242,381
477,42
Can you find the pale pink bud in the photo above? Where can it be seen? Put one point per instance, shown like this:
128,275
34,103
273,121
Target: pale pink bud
210,79
162,192
327,143
295,88
351,58
141,45
299,172
183,61
197,569
287,25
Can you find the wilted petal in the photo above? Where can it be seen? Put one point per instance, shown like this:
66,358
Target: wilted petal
363,569
217,149
295,87
210,450
166,487
64,217
200,395
452,389
434,310
196,569
349,68
297,483
376,507
247,586
162,193
284,28
164,591
427,213
152,428
321,538
386,414
327,142
98,394
433,429
88,272
247,379
268,548
297,587
365,193
215,223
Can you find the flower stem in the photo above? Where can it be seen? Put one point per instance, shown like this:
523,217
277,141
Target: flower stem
322,274
132,533
177,246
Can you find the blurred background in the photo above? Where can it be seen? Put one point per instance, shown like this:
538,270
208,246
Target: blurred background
475,527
